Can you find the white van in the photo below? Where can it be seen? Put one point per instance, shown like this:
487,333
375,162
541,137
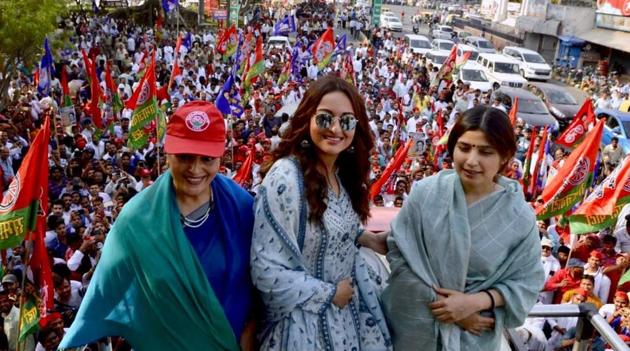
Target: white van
502,69
419,44
533,66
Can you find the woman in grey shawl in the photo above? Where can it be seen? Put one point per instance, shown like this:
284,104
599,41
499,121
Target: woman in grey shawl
464,250
318,290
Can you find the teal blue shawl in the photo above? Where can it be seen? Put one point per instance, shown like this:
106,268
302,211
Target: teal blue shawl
437,239
149,286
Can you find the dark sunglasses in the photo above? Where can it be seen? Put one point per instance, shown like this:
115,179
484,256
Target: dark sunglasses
325,120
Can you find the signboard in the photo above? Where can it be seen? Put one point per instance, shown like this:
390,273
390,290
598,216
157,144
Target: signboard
376,13
209,6
220,14
620,23
234,9
614,7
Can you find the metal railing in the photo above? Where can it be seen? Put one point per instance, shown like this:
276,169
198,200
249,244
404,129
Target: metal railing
589,321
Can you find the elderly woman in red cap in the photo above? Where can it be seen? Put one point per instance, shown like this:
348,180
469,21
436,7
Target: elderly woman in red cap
174,272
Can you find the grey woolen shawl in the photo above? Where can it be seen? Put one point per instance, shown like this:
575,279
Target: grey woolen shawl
438,240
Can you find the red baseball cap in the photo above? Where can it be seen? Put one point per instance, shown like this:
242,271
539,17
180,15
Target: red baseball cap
196,128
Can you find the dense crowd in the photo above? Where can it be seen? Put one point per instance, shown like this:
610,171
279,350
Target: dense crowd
94,173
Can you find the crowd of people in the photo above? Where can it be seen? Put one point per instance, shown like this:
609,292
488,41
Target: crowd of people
94,174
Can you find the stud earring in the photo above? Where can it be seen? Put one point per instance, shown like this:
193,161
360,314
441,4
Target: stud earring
305,144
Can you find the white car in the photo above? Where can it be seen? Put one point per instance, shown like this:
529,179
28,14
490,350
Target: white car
481,44
419,44
463,48
502,69
442,32
278,42
442,44
533,66
392,23
473,74
437,57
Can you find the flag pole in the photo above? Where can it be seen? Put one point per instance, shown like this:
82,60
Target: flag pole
178,18
27,260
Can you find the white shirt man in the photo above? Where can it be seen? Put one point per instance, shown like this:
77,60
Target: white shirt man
602,282
550,265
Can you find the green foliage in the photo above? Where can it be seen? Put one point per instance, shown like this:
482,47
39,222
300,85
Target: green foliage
23,26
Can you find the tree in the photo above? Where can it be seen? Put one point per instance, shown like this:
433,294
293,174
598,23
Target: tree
23,26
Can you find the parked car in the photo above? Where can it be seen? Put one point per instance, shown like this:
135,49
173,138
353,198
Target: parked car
533,66
437,57
442,44
559,101
463,48
531,108
481,44
472,73
419,44
617,124
392,23
442,32
462,35
502,69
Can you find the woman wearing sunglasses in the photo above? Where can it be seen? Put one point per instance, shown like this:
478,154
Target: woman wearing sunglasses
319,292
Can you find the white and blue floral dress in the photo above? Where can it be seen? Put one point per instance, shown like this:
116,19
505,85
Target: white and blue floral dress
296,266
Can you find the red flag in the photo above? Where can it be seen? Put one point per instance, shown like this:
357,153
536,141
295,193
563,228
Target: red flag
539,161
579,126
446,71
87,64
245,172
26,198
392,167
176,69
513,112
574,178
92,107
64,81
528,160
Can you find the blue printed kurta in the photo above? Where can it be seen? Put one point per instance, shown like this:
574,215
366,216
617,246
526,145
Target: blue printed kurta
296,266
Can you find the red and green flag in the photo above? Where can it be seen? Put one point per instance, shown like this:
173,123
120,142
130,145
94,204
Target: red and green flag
446,71
285,74
231,43
574,178
145,109
323,48
576,131
176,71
602,207
257,68
246,51
27,193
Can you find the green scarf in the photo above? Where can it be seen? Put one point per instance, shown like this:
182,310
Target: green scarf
149,286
